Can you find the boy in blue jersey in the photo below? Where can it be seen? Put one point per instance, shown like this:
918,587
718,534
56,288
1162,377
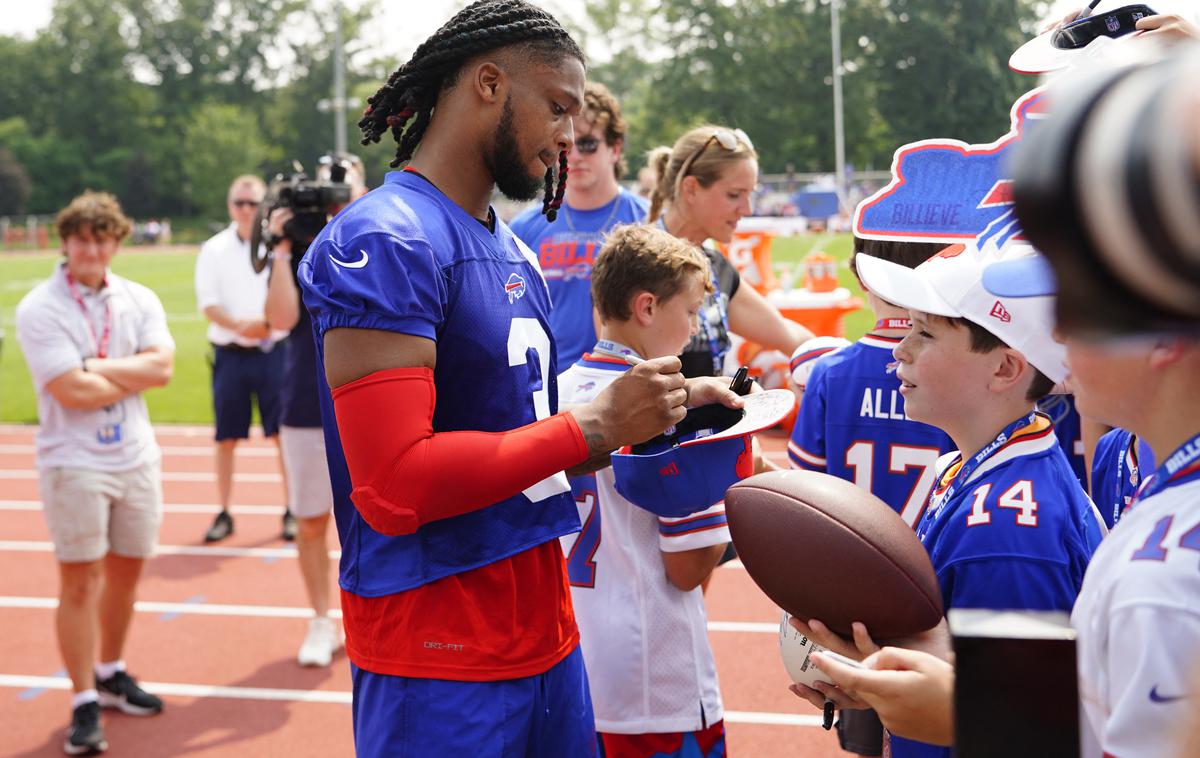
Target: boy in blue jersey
595,203
1008,525
438,399
852,425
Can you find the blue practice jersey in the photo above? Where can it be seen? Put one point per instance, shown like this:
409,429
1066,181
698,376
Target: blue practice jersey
405,258
1118,469
1069,430
566,250
1016,535
852,425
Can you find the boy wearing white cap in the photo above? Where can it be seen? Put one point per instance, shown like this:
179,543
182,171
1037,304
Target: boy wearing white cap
1008,525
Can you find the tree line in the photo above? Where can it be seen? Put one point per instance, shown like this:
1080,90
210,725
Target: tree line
162,103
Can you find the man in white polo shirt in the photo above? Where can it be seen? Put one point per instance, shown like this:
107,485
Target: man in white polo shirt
94,342
246,365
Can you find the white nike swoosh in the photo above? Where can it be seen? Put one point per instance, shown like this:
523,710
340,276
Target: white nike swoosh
356,264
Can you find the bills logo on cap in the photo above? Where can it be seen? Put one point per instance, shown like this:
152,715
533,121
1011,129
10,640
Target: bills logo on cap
948,191
1000,312
514,288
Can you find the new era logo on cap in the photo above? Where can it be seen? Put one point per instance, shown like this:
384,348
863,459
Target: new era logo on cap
999,312
669,470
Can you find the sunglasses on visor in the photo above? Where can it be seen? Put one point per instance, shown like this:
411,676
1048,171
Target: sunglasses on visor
1114,24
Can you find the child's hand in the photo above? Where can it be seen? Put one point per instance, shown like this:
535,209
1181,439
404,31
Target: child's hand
705,390
1168,27
912,691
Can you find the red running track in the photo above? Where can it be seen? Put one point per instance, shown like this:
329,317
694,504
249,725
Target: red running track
218,627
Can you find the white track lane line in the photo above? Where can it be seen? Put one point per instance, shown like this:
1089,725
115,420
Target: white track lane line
175,689
167,476
34,546
216,551
182,451
281,611
206,508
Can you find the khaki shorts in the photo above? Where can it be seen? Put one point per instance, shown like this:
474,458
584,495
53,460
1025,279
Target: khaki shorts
307,471
90,513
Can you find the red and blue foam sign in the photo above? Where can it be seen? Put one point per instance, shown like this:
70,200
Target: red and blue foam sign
944,190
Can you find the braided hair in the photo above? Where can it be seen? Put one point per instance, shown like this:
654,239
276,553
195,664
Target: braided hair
411,92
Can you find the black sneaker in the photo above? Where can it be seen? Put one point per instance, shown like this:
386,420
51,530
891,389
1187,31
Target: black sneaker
222,527
289,526
85,736
122,691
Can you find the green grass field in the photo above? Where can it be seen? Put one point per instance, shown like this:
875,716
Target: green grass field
169,273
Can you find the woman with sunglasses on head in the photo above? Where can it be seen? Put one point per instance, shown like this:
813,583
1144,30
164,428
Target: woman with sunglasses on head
702,191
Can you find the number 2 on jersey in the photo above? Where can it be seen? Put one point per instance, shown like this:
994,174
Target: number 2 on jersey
581,560
861,458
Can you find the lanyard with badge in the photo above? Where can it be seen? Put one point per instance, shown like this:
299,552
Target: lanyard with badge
1179,468
938,501
108,432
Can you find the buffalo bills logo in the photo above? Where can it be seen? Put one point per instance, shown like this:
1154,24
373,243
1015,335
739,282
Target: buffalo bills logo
514,288
586,386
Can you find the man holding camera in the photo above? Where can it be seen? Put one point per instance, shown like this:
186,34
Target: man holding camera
301,437
231,295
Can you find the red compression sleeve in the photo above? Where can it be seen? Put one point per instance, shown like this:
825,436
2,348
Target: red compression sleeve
404,475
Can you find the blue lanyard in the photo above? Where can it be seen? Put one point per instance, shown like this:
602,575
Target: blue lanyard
969,466
614,349
1178,468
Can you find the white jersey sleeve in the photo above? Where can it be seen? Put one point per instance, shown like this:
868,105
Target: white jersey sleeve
704,529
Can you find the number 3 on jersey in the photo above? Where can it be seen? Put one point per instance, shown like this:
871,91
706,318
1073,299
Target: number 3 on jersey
526,337
581,558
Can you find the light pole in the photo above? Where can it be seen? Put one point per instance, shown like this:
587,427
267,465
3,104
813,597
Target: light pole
339,83
839,137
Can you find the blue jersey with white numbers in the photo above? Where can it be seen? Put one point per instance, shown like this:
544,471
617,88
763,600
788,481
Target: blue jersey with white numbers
1016,535
1118,469
852,425
405,258
566,249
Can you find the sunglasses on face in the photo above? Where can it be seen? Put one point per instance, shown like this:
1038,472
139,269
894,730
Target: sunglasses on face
587,145
726,138
245,203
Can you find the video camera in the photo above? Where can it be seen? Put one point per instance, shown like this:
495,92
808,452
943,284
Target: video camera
312,201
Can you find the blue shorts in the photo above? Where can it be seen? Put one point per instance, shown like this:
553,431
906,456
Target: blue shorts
545,715
238,374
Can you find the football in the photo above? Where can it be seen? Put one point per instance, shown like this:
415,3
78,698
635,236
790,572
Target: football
823,548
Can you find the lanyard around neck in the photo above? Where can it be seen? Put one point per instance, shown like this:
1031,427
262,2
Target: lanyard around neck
99,344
